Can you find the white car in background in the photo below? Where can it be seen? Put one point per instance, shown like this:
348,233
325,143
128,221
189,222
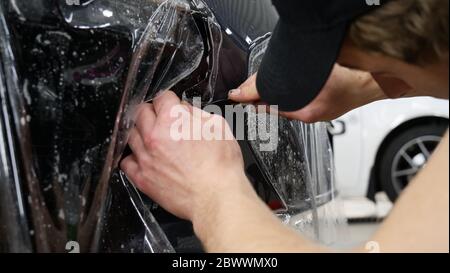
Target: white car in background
384,144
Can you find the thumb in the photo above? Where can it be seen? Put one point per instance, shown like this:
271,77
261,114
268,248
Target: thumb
247,92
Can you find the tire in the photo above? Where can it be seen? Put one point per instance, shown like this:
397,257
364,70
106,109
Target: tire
406,153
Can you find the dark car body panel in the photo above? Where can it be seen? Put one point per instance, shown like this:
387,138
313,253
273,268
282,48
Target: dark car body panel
61,87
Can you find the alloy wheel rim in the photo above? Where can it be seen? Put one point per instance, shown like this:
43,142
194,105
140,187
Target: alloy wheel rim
410,159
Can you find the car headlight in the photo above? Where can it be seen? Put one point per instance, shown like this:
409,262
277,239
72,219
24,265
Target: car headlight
300,168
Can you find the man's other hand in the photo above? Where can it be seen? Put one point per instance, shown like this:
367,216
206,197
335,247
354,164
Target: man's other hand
344,91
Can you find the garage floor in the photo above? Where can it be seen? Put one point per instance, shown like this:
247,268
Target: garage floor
358,234
364,218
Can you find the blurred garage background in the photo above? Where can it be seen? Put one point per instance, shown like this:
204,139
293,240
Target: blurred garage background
379,149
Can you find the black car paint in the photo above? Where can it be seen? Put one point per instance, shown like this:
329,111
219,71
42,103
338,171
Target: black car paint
83,72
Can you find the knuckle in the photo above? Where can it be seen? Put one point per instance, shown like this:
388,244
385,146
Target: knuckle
145,161
153,140
138,181
146,113
217,118
124,165
148,140
143,114
140,111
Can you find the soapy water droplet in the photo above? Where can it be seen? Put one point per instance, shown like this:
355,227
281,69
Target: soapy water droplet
61,214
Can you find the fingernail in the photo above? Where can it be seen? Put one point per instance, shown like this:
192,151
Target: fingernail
235,92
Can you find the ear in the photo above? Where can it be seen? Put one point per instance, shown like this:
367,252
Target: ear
393,87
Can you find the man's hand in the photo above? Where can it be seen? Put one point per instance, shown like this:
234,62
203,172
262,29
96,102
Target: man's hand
344,91
184,176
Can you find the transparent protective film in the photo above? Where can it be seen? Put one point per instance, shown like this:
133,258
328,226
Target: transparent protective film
14,232
14,229
325,222
300,169
301,172
70,100
153,67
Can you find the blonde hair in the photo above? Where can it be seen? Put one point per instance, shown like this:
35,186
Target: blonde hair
414,31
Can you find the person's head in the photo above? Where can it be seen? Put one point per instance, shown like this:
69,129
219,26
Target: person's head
404,44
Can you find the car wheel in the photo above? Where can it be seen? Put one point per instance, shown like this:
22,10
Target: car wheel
406,154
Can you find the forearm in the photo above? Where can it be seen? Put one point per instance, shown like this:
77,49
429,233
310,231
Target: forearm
241,222
420,220
366,90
